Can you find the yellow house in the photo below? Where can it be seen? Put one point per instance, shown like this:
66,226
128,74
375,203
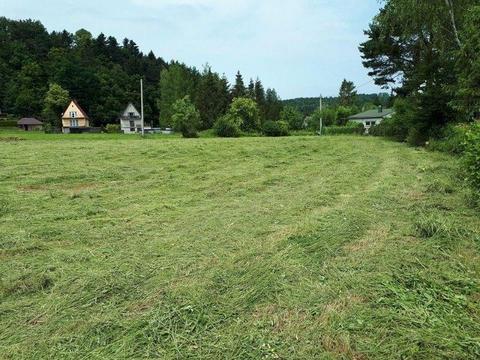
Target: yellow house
74,119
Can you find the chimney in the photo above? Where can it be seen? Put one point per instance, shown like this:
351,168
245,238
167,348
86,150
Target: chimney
380,109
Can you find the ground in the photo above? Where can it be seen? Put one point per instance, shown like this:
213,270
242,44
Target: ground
293,248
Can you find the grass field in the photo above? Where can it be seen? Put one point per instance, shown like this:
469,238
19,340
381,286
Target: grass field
289,248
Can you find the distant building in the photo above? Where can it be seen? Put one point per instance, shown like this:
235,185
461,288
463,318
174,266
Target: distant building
372,117
30,124
130,120
75,119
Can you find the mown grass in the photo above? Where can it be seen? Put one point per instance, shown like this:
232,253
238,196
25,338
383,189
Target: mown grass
299,247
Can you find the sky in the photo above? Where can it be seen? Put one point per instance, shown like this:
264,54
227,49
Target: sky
302,48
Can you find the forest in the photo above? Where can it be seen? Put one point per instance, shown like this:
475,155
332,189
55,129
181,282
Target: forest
40,71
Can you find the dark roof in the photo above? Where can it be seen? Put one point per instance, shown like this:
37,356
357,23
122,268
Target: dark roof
372,114
80,108
29,121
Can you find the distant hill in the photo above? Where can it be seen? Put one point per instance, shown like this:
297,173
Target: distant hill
308,105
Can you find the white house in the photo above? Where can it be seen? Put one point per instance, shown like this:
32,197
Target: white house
372,117
131,120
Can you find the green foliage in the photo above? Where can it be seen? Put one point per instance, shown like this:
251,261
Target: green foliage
343,112
238,89
176,82
472,156
247,110
228,125
273,105
347,93
451,140
212,97
415,41
307,106
8,123
292,117
276,128
468,66
186,118
397,127
56,100
351,128
112,128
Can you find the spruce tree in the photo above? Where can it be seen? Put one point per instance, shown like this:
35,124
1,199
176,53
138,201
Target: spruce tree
251,90
238,90
260,98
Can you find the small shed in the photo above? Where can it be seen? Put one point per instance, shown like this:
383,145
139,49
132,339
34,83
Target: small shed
30,124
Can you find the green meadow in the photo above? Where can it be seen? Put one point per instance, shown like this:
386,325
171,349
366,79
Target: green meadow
345,247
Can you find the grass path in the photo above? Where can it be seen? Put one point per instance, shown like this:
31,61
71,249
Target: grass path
340,247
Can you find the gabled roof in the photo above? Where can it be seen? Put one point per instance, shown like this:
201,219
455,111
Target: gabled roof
29,121
372,114
85,115
130,108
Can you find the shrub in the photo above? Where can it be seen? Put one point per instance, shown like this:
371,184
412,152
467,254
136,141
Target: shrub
292,117
228,126
451,140
8,123
247,110
112,128
275,128
397,127
186,118
472,156
351,128
416,136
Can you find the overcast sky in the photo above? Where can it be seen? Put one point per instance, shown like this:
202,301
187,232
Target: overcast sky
300,47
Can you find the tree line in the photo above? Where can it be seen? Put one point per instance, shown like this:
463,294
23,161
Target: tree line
428,52
41,71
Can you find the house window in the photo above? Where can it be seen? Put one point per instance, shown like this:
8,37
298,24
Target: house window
73,114
373,123
132,126
74,123
367,123
131,114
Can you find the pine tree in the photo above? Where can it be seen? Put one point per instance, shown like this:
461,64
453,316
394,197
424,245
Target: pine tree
260,98
251,90
347,93
238,90
273,105
212,97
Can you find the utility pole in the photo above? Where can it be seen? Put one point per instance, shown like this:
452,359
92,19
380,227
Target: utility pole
141,102
321,115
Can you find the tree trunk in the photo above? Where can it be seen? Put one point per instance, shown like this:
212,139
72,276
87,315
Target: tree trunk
449,4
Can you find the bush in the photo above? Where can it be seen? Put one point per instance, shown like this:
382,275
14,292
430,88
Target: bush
292,117
186,118
472,156
275,128
228,126
451,140
351,128
112,128
247,110
8,123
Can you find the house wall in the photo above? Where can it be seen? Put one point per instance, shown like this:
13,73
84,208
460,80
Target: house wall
82,122
125,125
